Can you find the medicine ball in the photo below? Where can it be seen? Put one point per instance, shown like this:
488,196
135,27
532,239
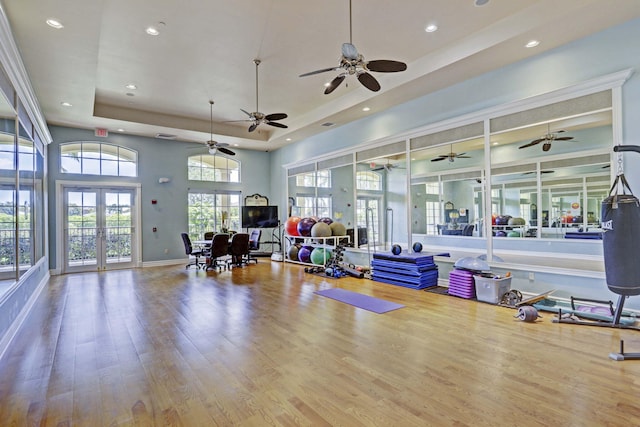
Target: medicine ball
396,249
417,247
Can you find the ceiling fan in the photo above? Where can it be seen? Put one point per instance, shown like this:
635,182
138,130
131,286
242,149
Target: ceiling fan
386,166
352,62
451,156
256,118
547,139
215,146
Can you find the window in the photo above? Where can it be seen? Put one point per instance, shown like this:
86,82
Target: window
368,181
96,158
320,179
213,212
313,206
432,217
206,167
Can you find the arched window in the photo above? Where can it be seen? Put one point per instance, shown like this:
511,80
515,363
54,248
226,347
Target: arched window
368,181
206,167
97,158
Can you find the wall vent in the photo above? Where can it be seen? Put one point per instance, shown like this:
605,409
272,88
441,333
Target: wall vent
327,124
166,136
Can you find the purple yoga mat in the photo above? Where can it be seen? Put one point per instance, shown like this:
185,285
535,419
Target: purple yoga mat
359,300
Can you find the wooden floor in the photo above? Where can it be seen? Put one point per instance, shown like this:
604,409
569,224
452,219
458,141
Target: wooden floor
256,347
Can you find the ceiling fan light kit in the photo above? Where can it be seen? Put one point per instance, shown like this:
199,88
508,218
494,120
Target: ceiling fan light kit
353,63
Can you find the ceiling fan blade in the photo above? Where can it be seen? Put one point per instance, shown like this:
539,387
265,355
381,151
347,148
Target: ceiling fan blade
349,51
218,144
458,154
275,116
334,84
532,143
563,138
246,112
462,157
386,66
324,70
226,151
369,81
278,125
439,158
253,127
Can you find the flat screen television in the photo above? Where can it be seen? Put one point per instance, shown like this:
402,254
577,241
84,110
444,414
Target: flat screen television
259,216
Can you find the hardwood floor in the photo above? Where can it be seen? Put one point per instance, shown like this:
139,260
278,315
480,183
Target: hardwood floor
256,347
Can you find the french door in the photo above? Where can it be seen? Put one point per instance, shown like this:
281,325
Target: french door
99,228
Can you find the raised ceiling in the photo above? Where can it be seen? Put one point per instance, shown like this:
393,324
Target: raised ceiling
205,50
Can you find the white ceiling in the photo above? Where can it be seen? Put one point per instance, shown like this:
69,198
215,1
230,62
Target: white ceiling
206,49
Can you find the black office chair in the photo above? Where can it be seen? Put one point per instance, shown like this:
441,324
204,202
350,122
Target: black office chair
188,248
219,249
468,230
208,235
238,249
254,245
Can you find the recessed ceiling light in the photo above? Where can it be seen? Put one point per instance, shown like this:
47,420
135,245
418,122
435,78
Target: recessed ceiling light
152,31
532,43
236,145
366,109
431,28
288,139
66,104
495,143
54,23
120,130
131,86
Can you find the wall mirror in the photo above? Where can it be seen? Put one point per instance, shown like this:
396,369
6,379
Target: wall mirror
8,214
381,196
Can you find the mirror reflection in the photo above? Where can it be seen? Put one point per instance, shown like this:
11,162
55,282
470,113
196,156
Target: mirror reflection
381,212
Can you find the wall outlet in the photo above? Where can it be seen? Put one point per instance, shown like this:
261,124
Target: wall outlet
532,275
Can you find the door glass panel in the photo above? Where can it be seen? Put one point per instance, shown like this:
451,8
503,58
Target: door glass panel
81,228
118,229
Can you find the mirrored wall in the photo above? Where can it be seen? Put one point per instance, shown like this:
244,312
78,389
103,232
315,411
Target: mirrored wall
497,183
22,225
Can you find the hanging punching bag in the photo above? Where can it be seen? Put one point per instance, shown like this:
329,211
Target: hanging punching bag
621,225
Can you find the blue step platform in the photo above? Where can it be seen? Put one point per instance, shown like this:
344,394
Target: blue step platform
411,270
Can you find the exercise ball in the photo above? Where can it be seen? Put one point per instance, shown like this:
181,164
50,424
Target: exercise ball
396,249
513,234
503,219
501,233
320,229
291,226
326,220
319,256
304,226
516,221
417,247
292,253
304,254
338,229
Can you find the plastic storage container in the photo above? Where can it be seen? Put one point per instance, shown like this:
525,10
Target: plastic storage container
491,290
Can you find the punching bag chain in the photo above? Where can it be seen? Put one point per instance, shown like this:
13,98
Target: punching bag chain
620,166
